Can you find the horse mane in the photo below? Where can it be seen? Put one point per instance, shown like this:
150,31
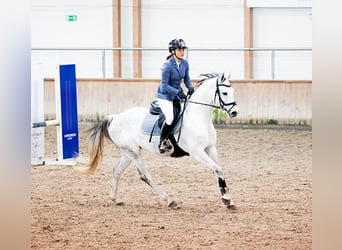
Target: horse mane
206,76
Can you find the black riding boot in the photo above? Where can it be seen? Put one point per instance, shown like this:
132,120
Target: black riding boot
164,144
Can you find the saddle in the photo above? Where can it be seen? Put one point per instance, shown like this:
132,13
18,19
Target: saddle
154,120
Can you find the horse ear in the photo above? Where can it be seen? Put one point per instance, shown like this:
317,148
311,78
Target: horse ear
223,77
227,74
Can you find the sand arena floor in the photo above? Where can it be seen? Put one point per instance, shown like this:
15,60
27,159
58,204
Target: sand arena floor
269,173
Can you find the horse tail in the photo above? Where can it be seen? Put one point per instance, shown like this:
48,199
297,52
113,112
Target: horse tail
96,143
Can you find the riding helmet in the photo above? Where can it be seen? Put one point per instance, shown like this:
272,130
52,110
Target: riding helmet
177,44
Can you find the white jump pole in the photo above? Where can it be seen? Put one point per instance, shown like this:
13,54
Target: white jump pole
37,114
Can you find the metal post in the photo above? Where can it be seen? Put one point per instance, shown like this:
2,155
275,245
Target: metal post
103,63
273,64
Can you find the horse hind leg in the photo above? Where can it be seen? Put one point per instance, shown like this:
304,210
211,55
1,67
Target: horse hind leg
147,178
118,170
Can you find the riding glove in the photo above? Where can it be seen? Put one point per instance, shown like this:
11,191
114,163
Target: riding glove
190,91
181,95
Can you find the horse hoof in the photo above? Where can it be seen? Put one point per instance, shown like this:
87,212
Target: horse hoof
226,202
120,204
172,204
232,207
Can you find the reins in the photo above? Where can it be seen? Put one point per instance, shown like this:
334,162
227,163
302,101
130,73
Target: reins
201,103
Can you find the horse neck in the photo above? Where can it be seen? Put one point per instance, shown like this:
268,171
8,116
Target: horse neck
204,94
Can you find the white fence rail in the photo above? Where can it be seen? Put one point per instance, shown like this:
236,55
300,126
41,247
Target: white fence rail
269,63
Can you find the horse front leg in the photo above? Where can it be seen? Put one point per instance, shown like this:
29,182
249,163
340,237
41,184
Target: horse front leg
226,197
209,158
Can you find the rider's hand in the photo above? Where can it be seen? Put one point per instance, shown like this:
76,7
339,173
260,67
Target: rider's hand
190,90
181,95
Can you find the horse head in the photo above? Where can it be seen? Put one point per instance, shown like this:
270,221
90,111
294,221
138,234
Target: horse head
222,90
224,95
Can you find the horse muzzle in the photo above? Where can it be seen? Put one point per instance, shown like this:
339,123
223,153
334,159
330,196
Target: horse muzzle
233,112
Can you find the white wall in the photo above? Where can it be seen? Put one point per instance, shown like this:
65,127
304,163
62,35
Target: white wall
279,28
93,28
201,23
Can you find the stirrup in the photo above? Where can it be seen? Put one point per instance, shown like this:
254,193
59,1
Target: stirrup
165,146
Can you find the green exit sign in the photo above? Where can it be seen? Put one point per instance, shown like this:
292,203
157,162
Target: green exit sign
71,18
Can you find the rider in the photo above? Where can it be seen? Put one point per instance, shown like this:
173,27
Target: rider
174,70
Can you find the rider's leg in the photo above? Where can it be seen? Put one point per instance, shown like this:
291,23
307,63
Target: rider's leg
167,109
164,144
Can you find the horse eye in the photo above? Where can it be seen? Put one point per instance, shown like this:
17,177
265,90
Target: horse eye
224,93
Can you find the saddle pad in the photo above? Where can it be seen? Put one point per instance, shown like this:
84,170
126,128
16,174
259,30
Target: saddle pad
148,123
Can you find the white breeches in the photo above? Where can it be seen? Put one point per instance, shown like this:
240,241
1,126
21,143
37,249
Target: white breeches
167,108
